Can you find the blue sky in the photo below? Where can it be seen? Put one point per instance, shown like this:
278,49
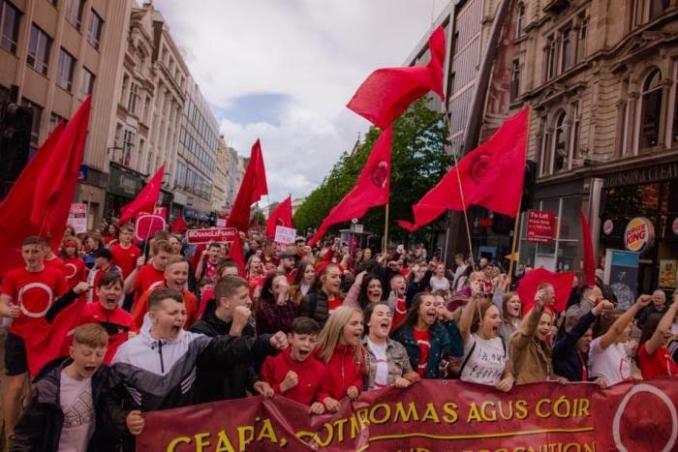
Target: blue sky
283,71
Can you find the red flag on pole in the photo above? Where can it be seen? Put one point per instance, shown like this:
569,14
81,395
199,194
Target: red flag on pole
253,187
145,200
179,225
236,253
491,176
561,282
589,258
281,216
371,189
388,92
15,210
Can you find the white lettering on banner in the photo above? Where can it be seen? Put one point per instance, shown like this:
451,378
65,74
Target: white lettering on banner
223,235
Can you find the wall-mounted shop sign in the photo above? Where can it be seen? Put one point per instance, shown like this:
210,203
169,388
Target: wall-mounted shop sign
639,235
650,174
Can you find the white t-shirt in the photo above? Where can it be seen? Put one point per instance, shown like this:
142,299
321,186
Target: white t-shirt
441,283
379,351
78,409
613,363
487,362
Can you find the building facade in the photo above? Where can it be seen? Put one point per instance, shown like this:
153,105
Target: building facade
53,54
219,185
604,126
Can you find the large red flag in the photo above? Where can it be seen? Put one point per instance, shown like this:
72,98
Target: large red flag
491,176
561,282
15,211
281,216
145,200
589,258
236,253
253,187
179,225
371,189
388,92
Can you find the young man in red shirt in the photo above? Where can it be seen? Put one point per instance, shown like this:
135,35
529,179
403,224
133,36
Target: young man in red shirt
209,262
295,372
151,275
125,253
27,294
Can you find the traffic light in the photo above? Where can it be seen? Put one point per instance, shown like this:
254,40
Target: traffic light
529,182
15,139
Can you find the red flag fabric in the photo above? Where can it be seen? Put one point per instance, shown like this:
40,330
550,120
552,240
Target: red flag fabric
41,198
179,225
388,92
145,200
562,285
253,187
491,176
236,253
589,258
371,189
281,216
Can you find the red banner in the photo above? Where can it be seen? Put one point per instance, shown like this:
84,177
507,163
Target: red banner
147,225
433,415
541,226
222,235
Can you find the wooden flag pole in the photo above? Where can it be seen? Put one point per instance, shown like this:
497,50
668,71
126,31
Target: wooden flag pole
384,248
514,248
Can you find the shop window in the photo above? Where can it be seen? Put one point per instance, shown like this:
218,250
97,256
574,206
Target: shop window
520,22
9,24
650,113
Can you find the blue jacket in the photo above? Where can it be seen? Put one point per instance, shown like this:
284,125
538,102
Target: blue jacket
445,342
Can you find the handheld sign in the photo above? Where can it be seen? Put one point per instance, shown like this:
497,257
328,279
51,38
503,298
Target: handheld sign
77,217
284,235
221,235
147,225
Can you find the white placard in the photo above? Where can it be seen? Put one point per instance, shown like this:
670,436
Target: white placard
77,217
284,235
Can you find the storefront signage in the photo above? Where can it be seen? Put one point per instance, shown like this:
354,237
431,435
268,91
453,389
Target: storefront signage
540,226
639,234
608,227
639,176
432,416
222,235
123,183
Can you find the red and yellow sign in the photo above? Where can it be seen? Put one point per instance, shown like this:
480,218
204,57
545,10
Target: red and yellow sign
433,416
639,234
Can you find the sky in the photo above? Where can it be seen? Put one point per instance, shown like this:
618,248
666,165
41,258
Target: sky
283,71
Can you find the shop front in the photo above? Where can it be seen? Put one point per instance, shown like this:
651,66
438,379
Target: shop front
123,185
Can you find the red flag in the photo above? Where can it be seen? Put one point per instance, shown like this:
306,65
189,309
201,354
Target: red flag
179,225
589,258
371,189
238,256
253,187
491,176
561,282
145,200
388,92
281,216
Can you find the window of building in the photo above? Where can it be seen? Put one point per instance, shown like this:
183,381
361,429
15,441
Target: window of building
127,145
37,117
53,121
65,69
87,85
551,59
581,46
559,142
515,80
39,47
658,7
574,148
520,21
650,113
94,28
567,47
133,98
74,10
674,129
10,26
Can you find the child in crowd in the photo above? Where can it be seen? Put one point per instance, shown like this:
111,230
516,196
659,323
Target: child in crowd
63,412
296,373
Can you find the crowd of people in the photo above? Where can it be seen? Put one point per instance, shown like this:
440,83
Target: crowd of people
166,324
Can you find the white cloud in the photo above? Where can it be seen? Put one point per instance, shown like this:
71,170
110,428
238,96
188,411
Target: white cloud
313,53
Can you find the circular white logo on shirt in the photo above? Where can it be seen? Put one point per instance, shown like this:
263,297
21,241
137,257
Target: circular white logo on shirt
73,270
35,285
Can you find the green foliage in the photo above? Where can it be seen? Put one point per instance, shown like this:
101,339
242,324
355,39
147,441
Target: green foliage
418,163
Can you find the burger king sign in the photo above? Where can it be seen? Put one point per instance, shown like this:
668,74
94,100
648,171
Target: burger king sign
639,235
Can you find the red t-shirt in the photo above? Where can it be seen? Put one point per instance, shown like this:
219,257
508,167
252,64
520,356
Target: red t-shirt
658,364
35,293
56,263
75,271
125,258
147,278
399,313
333,305
423,339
